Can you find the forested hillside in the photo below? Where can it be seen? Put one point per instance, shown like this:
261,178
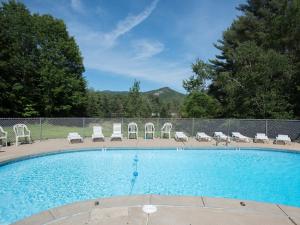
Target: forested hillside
163,102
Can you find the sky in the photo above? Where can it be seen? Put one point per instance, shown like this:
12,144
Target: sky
152,41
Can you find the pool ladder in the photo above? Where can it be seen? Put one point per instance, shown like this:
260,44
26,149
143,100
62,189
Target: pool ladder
103,149
179,149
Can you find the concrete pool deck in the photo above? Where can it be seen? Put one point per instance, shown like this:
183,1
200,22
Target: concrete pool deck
171,210
53,145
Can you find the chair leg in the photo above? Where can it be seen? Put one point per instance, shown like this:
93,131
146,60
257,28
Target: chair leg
16,141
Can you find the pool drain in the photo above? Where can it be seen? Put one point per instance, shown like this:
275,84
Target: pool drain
149,209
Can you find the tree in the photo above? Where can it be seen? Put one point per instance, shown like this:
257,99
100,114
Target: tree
200,105
40,65
134,100
257,73
202,73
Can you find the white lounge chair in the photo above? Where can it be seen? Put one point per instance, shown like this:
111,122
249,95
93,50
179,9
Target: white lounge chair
133,130
74,137
220,136
149,130
21,131
97,133
285,139
117,132
3,136
166,130
261,137
180,136
201,136
237,136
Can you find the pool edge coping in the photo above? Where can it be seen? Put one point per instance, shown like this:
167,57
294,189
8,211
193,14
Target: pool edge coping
91,149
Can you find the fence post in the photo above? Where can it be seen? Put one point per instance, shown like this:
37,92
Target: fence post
193,127
41,129
266,128
122,125
158,129
228,127
83,125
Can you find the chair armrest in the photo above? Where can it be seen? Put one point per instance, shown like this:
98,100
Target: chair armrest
27,130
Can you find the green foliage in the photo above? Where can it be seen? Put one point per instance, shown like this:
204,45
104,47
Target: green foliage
257,73
40,65
156,103
29,111
137,105
198,81
201,105
105,105
259,87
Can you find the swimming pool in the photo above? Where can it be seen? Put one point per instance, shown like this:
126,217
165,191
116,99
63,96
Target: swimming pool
33,185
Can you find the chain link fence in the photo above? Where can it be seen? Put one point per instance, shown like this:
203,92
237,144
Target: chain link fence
51,128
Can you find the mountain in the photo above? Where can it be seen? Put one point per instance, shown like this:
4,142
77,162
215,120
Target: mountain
165,94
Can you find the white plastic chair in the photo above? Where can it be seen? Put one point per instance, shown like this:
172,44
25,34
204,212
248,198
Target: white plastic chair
133,130
21,131
149,129
237,136
201,136
97,133
180,136
3,136
166,130
221,136
285,139
73,137
261,137
117,131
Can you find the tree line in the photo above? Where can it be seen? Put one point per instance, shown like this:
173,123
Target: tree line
256,74
132,104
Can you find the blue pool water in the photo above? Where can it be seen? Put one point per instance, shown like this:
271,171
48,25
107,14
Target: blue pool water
30,186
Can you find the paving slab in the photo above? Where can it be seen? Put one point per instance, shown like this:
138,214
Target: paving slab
138,200
176,200
72,209
291,211
38,219
77,219
118,216
242,205
198,216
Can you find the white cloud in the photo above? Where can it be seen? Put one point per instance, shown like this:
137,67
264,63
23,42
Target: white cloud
136,58
77,6
155,70
128,23
146,49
